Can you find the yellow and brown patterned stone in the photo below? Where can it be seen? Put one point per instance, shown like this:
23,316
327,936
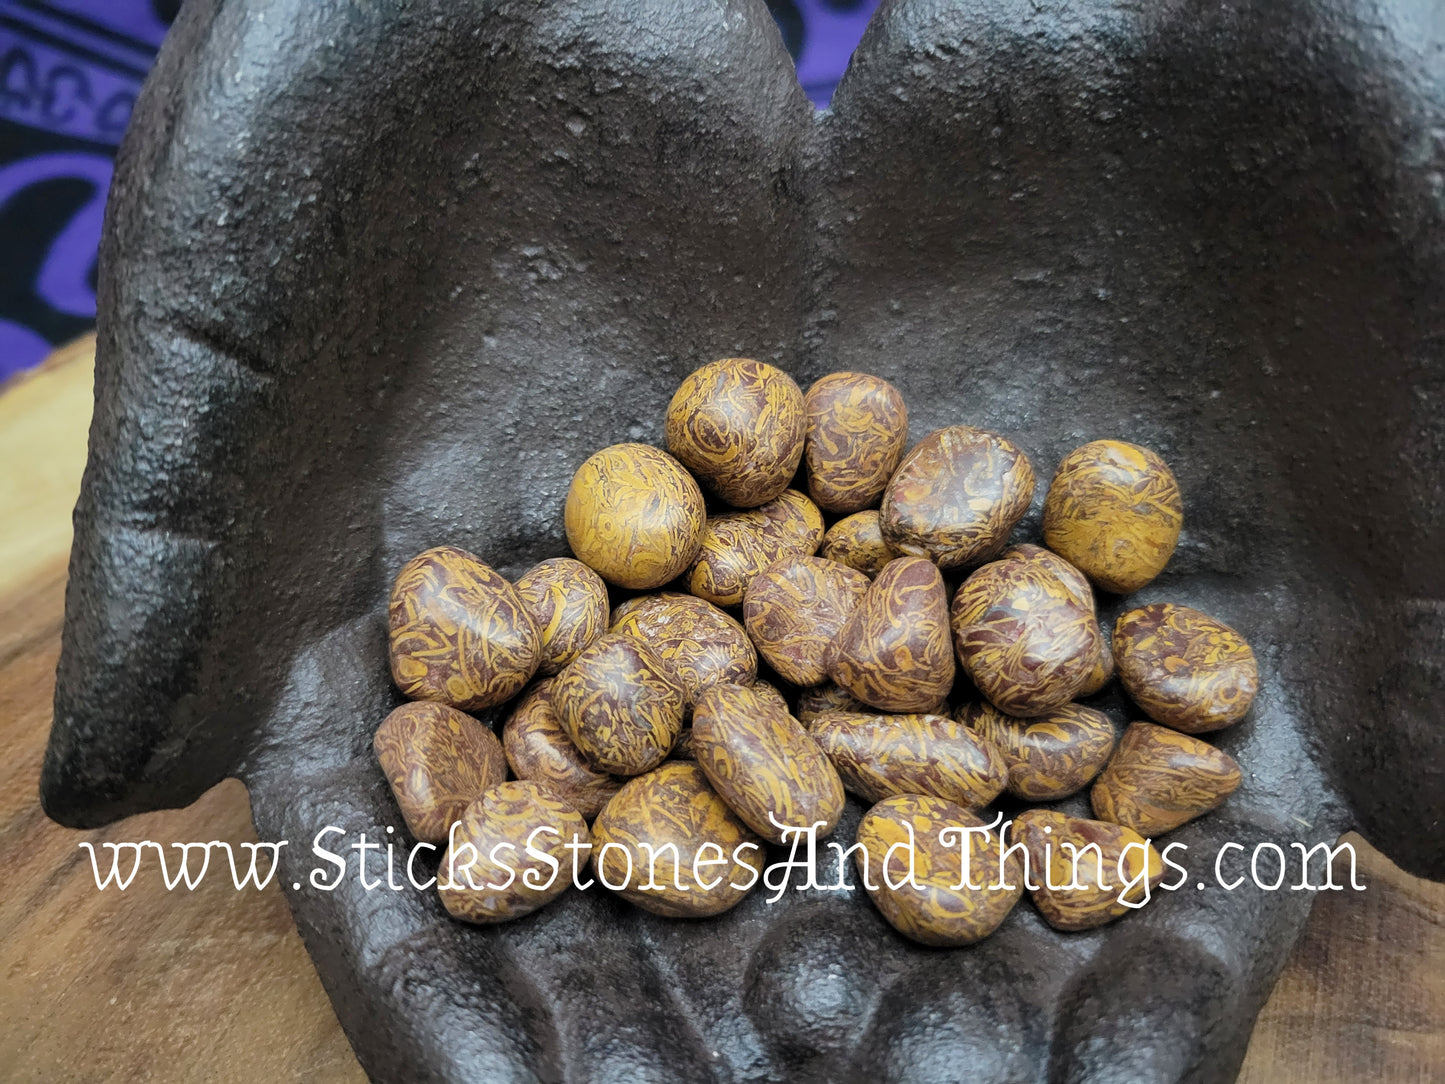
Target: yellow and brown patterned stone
667,829
794,609
1102,672
635,515
1023,637
539,750
1078,586
1114,511
736,546
934,900
762,762
1184,668
1159,779
822,699
956,496
879,756
700,644
1084,868
459,633
857,428
857,541
437,760
568,604
490,882
738,424
1049,756
894,652
619,705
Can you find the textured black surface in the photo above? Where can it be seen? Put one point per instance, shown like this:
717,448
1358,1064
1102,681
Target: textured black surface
379,276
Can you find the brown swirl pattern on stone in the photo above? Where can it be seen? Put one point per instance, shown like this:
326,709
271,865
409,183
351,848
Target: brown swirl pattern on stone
736,546
761,761
437,761
857,428
1184,668
1049,756
619,705
857,541
539,750
738,424
879,756
698,643
667,829
459,633
634,515
822,699
1114,511
795,607
1022,636
1104,854
568,604
517,814
956,496
1159,779
1078,586
894,652
936,905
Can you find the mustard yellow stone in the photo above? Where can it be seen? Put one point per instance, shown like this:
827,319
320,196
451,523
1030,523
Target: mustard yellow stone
1088,872
736,546
857,541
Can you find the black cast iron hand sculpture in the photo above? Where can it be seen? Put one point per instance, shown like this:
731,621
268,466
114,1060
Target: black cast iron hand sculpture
379,276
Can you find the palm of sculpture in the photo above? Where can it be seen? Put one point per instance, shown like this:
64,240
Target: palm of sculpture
376,280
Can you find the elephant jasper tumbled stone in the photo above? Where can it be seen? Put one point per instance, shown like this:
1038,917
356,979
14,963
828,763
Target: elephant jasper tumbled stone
538,749
879,756
822,699
1049,756
857,427
568,604
1184,668
620,705
1159,779
1114,511
1078,586
911,864
1088,872
894,653
459,632
437,760
736,546
635,515
762,762
738,424
1023,637
509,855
857,541
795,607
956,496
698,643
670,845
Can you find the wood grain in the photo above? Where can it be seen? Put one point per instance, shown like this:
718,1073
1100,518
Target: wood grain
216,985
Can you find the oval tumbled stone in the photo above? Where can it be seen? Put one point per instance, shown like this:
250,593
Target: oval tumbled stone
795,608
619,705
459,633
932,899
568,604
1049,756
736,546
857,427
1159,779
437,760
1088,872
894,652
488,874
1184,668
956,496
762,762
1022,636
539,750
879,756
698,643
667,843
857,541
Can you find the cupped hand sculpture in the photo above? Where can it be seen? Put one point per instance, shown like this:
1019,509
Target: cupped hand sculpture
379,276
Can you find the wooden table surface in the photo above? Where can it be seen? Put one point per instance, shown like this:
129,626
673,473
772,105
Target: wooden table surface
215,985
